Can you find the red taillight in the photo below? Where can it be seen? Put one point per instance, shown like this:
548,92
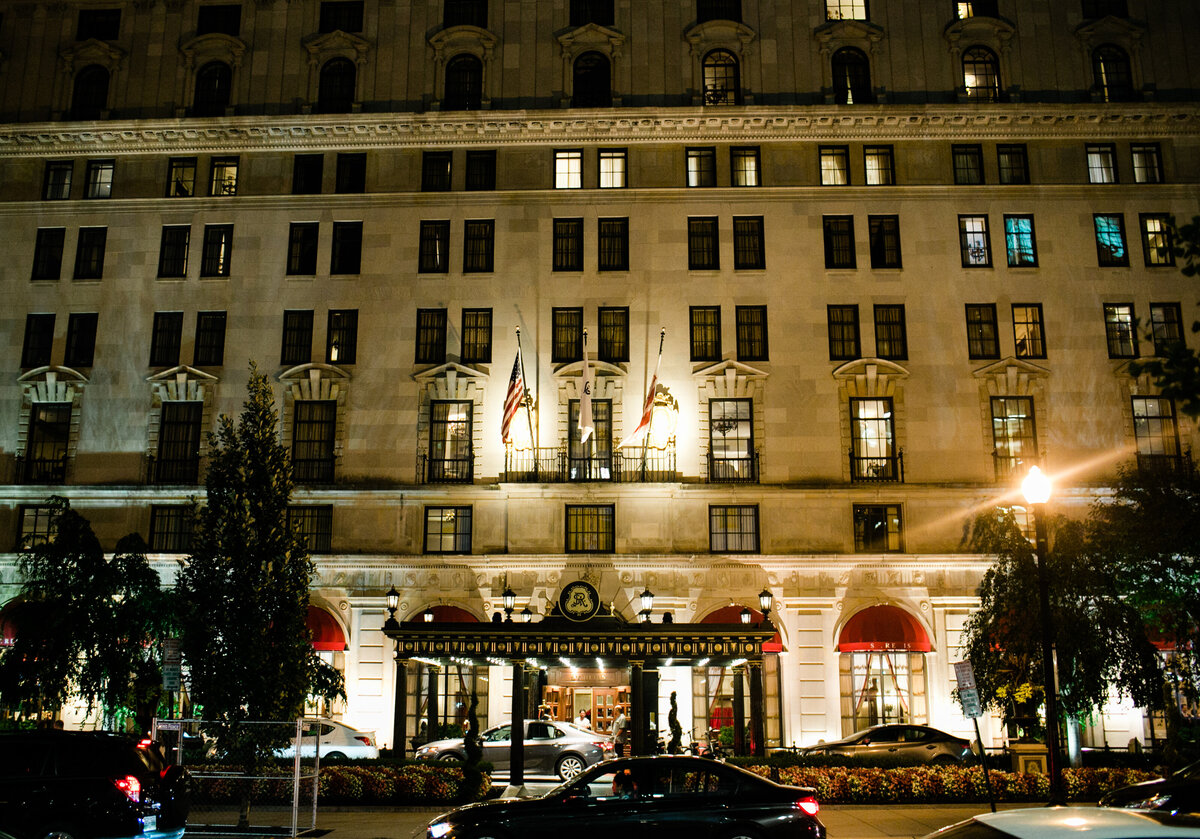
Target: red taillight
606,745
366,741
809,805
144,744
131,786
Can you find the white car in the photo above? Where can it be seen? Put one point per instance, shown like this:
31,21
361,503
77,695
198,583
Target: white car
1072,823
338,742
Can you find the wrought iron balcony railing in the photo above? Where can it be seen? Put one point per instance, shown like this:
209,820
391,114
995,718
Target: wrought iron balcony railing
640,465
41,470
182,470
723,469
451,470
316,470
878,469
1165,465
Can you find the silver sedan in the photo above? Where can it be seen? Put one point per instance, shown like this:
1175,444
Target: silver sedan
551,748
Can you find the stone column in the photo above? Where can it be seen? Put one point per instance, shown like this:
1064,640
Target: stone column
637,710
757,709
516,748
400,709
739,711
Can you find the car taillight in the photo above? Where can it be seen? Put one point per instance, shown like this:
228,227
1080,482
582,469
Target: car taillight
809,805
131,786
606,745
366,741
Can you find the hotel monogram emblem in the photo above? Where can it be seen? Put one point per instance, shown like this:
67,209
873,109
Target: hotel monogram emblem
579,601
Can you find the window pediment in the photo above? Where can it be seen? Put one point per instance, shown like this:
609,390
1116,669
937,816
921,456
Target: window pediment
181,384
316,381
591,37
835,34
1109,30
92,51
729,380
456,39
608,380
52,384
870,377
1011,377
452,381
213,47
720,34
337,44
990,31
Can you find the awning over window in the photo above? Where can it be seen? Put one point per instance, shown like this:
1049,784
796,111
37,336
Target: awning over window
8,623
326,631
883,628
733,614
444,614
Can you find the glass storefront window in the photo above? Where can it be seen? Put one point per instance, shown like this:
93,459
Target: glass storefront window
887,686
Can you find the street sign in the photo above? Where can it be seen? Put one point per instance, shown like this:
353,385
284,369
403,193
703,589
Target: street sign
968,695
172,664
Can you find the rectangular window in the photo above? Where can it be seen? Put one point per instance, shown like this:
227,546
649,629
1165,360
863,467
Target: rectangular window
976,8
478,245
434,256
751,333
223,19
1156,239
1013,160
749,251
702,167
346,257
1102,163
218,248
1157,435
98,179
37,525
57,183
846,9
707,10
178,457
733,529
39,340
584,12
166,338
297,337
81,339
464,13
308,171
1147,163
590,460
880,166
101,24
703,250
705,333
314,425
983,340
843,333
1093,9
314,524
1029,337
839,242
590,528
1019,242
568,169
743,166
431,336
873,440
1166,326
613,344
613,244
302,248
1013,439
481,170
731,455
181,177
1120,327
173,251
968,164
884,235
435,171
344,15
567,343
612,169
341,336
223,176
835,165
351,175
46,446
171,528
89,253
447,530
974,242
1111,251
891,334
568,244
477,336
877,528
209,350
451,457
47,253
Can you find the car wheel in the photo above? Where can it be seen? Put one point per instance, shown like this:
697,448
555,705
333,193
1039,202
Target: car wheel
450,756
487,832
570,766
335,756
741,833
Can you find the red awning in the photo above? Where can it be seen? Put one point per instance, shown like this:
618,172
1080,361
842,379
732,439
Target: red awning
1162,642
444,614
883,628
8,623
325,630
733,614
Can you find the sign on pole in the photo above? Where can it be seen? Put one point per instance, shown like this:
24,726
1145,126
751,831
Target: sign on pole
172,664
968,694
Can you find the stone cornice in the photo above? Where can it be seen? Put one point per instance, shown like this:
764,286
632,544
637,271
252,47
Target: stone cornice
624,126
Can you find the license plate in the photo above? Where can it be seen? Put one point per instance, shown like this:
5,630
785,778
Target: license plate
149,823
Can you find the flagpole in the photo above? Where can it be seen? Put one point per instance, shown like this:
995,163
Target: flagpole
662,337
525,399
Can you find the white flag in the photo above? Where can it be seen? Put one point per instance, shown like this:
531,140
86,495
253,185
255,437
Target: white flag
586,429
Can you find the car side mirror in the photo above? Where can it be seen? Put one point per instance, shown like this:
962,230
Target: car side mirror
866,741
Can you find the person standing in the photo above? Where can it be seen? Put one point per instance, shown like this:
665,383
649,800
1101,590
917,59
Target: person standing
582,721
620,733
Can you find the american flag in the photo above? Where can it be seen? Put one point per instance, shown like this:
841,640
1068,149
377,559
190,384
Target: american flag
514,397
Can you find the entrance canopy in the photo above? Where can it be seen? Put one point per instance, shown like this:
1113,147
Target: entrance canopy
326,632
883,628
733,614
444,614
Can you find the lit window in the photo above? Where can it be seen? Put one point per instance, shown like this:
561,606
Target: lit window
567,340
1156,240
873,441
981,75
613,343
1120,328
451,457
705,333
612,168
1157,435
731,454
835,165
1019,242
891,334
1029,339
39,524
1147,163
1110,240
98,179
974,243
223,176
568,169
1013,439
721,85
976,8
181,177
752,333
477,336
447,530
1112,76
743,166
1102,164
702,167
846,9
880,167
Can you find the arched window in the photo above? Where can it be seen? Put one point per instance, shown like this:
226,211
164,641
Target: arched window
981,75
592,82
851,77
1111,74
90,95
213,82
721,85
335,95
464,84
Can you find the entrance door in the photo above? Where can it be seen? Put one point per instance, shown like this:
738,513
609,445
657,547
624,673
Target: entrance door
607,703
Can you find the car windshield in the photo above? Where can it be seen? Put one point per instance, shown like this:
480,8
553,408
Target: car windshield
1192,770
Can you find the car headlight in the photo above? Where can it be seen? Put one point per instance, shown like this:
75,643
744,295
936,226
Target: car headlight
424,750
439,829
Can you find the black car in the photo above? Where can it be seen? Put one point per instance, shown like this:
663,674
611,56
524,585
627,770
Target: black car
1180,793
903,742
664,797
87,785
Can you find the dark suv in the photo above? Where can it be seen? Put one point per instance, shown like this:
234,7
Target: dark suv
83,784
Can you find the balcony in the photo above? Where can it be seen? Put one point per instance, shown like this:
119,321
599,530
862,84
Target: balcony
42,470
881,469
439,470
1169,466
726,469
554,465
185,470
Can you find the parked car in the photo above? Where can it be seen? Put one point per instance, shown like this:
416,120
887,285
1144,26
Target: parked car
338,741
551,748
918,743
1072,823
86,784
1179,793
665,796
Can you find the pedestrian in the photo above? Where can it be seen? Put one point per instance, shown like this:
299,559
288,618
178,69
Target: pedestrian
582,721
620,733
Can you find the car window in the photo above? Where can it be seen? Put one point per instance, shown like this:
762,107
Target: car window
497,734
690,782
23,760
888,734
612,783
917,735
543,731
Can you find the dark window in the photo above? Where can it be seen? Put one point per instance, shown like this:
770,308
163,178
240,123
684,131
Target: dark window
1166,326
982,338
612,244
873,440
590,528
209,350
434,256
166,338
313,427
613,345
1029,338
884,235
223,176
879,164
351,173
851,77
451,455
703,251
1019,242
749,251
744,166
835,165
1013,162
891,335
47,444
431,336
568,169
307,172
839,242
81,339
1112,77
181,177
89,97
976,8
222,19
477,336
101,24
843,333
1102,163
584,12
56,185
612,168
481,170
1120,327
346,256
302,248
968,164
1147,163
341,337
297,337
707,10
178,458
721,82
346,15
877,528
702,167
214,84
447,530
47,253
89,253
974,243
464,84
435,171
731,440
981,75
705,333
313,523
1014,441
1102,8
98,179
567,343
568,244
171,528
465,13
39,340
1156,239
173,251
751,333
336,86
1111,250
591,81
218,247
478,235
733,529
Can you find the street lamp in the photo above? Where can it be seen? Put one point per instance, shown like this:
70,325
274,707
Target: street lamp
765,600
510,602
647,598
1036,489
393,603
526,615
745,615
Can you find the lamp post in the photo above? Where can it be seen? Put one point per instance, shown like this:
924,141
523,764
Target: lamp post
393,603
510,602
1036,489
765,601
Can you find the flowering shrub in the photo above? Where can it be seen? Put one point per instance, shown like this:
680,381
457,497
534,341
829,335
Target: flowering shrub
410,783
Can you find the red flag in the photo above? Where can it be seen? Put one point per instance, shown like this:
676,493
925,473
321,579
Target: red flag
514,397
